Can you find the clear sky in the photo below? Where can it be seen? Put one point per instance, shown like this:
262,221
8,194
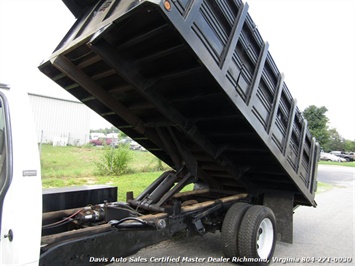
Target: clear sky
311,41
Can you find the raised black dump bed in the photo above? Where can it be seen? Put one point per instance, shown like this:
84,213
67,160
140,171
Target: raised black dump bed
193,82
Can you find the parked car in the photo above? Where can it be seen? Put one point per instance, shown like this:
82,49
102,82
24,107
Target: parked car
133,145
330,157
124,141
136,146
348,156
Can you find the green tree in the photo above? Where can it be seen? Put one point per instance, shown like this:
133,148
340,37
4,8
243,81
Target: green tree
317,124
349,145
336,141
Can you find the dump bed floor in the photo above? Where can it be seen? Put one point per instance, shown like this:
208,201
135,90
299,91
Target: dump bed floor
196,86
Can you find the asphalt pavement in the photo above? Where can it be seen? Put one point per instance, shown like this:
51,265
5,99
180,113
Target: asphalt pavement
322,235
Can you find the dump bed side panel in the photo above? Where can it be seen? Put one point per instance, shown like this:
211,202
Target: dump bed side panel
196,85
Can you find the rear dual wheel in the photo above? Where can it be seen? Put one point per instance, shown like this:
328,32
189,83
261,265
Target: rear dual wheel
249,232
230,228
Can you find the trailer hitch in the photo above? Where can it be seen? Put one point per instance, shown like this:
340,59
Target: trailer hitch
197,219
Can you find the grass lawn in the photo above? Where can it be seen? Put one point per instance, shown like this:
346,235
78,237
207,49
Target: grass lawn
130,182
71,161
64,162
75,166
349,164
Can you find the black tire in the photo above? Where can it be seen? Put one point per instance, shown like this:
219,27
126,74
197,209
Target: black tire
258,227
230,228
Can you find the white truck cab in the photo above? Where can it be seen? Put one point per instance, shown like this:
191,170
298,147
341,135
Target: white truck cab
20,181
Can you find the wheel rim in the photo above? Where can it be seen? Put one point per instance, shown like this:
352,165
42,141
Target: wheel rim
265,238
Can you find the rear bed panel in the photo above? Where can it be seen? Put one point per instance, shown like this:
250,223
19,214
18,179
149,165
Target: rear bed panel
194,84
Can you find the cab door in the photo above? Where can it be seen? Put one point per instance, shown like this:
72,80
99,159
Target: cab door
20,182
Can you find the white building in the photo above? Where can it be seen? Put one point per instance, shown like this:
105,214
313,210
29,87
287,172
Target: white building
60,121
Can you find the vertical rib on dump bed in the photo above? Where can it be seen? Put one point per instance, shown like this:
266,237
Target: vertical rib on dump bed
193,84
